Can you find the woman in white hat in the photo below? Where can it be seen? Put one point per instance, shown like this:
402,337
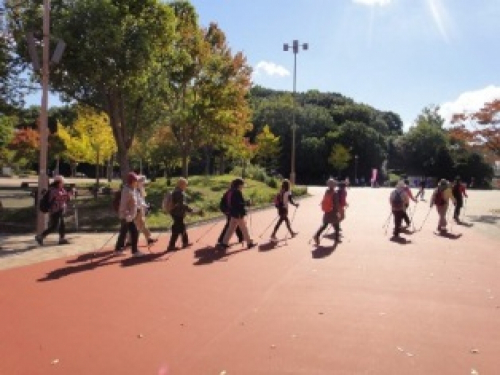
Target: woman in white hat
58,198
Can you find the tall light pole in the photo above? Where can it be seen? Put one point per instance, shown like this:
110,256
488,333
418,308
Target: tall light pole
356,169
43,123
295,46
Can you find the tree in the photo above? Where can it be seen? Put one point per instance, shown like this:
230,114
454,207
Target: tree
208,86
25,144
11,83
268,148
92,127
114,61
164,150
480,128
339,158
77,147
6,135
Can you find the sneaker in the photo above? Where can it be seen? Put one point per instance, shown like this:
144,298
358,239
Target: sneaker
152,240
316,240
63,241
186,245
274,238
39,239
138,254
119,251
293,234
251,244
171,248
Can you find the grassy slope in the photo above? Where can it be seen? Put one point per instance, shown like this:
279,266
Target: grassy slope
203,192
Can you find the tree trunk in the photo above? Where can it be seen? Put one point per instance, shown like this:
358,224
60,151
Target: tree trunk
109,170
96,175
185,163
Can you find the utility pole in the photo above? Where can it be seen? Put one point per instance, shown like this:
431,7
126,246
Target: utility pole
43,123
295,49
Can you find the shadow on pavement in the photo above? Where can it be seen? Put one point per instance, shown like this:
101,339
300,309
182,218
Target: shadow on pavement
4,253
207,255
271,245
70,270
486,219
323,251
464,224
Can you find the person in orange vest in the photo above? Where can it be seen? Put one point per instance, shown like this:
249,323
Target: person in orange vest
330,207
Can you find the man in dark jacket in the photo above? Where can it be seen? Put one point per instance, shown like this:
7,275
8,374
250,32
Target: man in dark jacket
178,212
238,212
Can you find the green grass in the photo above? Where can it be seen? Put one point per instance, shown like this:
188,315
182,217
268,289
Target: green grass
203,193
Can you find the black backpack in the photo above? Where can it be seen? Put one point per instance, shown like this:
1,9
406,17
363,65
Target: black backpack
45,202
225,202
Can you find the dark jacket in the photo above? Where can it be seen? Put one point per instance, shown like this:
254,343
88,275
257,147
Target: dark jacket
238,204
180,208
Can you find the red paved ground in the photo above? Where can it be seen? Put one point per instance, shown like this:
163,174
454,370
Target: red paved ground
369,306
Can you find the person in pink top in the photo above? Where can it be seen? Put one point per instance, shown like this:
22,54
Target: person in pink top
409,195
58,198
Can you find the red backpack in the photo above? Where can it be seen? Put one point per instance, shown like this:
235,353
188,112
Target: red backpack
439,198
278,200
328,202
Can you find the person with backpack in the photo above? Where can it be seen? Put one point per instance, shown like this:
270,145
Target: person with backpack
127,212
330,208
398,200
409,195
55,203
440,198
175,204
459,193
238,212
281,202
225,207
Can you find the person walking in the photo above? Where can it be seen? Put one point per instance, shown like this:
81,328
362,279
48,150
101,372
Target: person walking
58,198
140,219
238,213
175,204
342,197
421,192
330,208
398,200
283,199
128,210
441,198
459,193
225,207
409,196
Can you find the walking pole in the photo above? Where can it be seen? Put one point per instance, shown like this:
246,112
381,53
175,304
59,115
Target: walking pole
387,224
387,221
430,209
293,218
451,225
102,247
209,229
269,226
465,207
413,215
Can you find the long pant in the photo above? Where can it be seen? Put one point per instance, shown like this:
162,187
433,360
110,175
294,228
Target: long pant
406,218
398,219
442,216
130,228
283,213
341,213
239,234
233,224
458,207
140,223
56,220
178,228
323,226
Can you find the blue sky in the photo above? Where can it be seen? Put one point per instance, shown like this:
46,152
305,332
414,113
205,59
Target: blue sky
398,55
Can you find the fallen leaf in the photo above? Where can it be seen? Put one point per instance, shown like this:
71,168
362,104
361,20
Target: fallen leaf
54,362
400,349
474,351
140,336
474,372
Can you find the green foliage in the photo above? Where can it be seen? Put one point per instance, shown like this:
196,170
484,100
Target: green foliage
339,158
268,147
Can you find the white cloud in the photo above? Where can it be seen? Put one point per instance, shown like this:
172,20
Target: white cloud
270,69
469,101
373,2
